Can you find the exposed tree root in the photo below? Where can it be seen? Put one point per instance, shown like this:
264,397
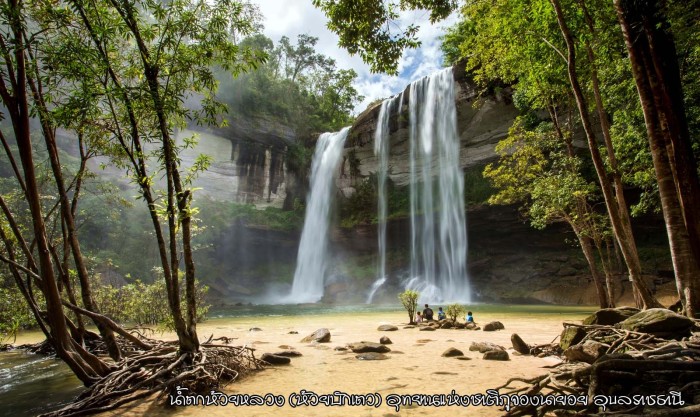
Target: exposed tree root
635,364
159,370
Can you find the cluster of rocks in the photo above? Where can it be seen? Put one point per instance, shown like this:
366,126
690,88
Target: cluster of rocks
576,345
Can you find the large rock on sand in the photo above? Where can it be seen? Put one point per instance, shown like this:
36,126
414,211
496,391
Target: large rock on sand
660,322
319,336
483,347
387,328
362,347
571,336
493,326
496,355
385,340
610,316
588,351
452,352
288,353
371,356
519,344
275,359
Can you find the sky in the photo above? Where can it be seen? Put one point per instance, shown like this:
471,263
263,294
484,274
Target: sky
293,17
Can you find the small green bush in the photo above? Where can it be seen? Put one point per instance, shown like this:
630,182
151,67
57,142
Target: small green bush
455,310
409,299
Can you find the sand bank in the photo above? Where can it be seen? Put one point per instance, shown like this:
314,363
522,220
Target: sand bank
415,365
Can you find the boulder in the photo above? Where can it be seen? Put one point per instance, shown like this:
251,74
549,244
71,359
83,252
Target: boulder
588,351
385,340
362,347
255,329
458,326
570,336
288,353
519,344
427,329
659,322
409,327
610,316
446,325
371,356
340,348
387,328
496,355
320,336
471,326
483,347
452,352
273,359
493,326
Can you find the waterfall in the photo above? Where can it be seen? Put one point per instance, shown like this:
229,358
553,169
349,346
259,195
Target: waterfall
311,258
381,150
438,221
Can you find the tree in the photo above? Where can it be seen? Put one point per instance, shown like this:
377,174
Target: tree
453,311
365,27
656,72
540,171
409,300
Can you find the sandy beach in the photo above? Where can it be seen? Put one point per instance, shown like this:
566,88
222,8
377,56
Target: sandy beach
415,364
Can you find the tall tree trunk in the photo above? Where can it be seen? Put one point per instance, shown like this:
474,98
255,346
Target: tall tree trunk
620,224
587,248
655,70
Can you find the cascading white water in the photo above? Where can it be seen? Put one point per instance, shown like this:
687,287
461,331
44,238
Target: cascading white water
438,271
381,150
311,259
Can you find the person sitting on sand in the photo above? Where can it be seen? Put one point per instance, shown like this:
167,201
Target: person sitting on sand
427,313
441,314
469,318
419,318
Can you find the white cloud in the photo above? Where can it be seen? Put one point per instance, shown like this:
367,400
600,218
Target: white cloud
293,17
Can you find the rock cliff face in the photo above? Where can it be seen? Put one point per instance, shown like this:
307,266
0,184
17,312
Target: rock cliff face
481,122
248,162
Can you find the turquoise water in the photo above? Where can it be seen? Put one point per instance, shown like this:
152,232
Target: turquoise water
321,309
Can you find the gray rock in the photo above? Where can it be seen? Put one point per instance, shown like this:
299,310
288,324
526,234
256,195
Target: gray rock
385,340
409,327
571,336
471,326
588,351
255,329
496,355
483,347
362,347
387,328
452,352
371,356
519,344
320,336
463,358
493,326
288,353
446,325
610,316
274,359
340,348
427,329
660,322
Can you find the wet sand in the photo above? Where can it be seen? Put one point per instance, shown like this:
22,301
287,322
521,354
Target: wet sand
415,364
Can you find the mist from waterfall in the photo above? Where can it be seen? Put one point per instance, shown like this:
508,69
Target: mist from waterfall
438,221
312,256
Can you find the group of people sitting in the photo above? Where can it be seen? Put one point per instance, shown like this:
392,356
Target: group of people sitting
428,315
